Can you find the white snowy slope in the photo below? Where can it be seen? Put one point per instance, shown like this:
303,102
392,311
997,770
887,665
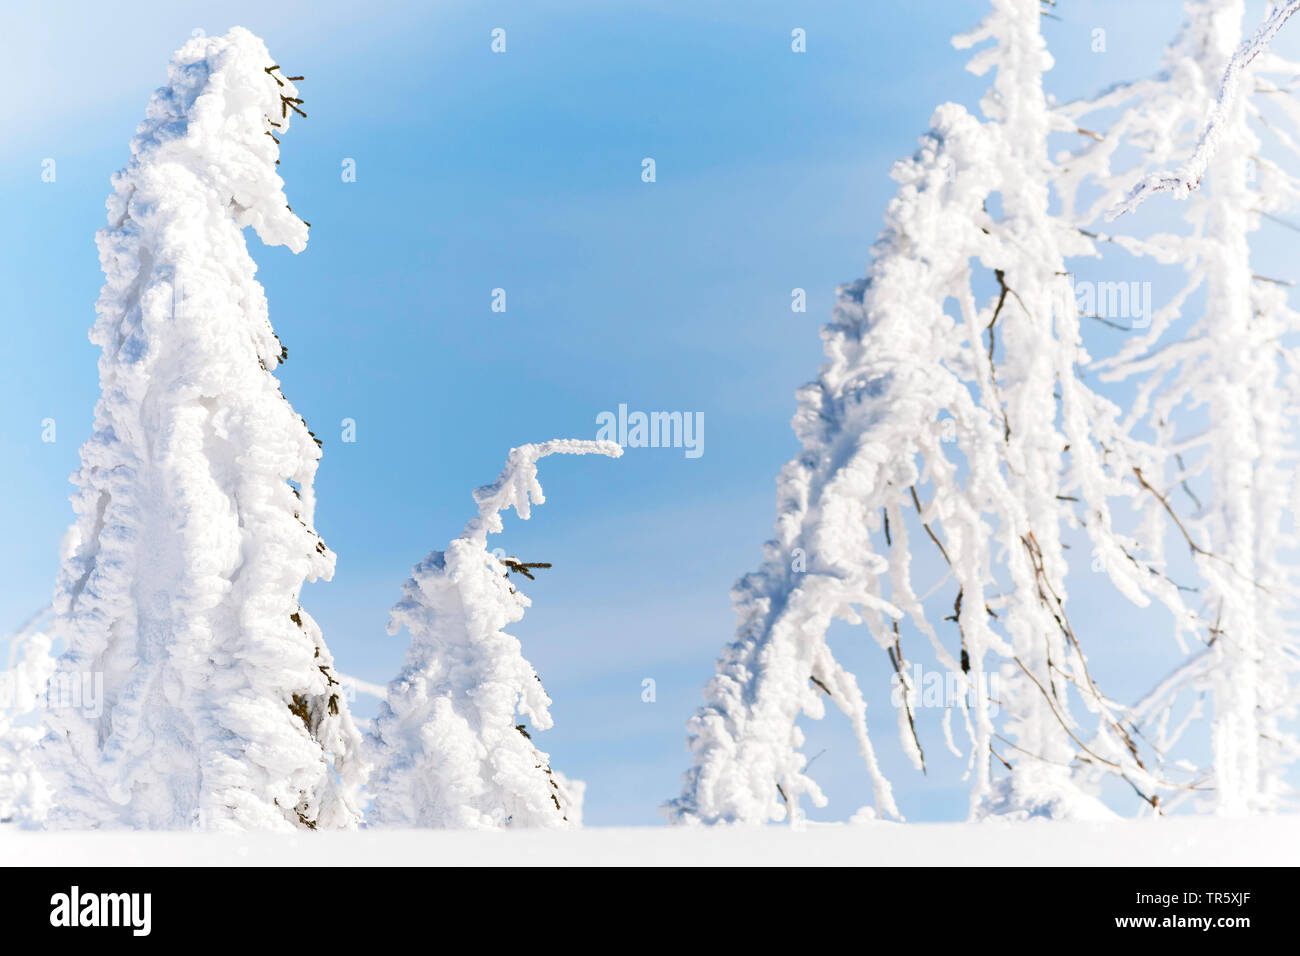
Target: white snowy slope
180,579
1186,841
448,746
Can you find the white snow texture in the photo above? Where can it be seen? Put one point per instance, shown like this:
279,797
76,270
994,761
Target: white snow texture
959,449
968,428
180,579
449,749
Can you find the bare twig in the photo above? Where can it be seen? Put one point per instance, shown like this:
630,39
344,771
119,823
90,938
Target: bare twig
896,658
924,524
522,567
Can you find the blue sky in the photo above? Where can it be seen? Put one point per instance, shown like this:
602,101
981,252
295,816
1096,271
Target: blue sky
522,171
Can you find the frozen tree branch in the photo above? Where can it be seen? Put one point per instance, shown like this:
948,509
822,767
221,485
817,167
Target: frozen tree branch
1181,182
1219,386
450,750
986,410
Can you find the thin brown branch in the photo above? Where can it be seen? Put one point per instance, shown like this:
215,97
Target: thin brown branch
928,530
1064,726
896,658
1195,548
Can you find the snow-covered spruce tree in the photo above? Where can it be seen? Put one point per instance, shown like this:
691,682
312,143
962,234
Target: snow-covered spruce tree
968,434
447,747
24,795
1219,389
181,577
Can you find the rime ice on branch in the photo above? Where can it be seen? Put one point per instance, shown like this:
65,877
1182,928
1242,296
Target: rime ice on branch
449,748
181,577
1218,389
947,446
1184,180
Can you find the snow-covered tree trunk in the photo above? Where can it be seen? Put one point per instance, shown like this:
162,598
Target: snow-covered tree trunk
180,582
1242,360
1219,393
448,747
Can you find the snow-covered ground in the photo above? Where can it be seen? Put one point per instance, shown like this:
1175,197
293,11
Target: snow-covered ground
1202,841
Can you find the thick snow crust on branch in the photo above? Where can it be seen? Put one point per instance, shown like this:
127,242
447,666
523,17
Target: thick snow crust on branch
944,430
24,795
1184,180
1217,389
180,582
450,750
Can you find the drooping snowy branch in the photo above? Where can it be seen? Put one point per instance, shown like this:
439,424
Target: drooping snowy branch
965,427
448,745
1218,391
179,590
1184,180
